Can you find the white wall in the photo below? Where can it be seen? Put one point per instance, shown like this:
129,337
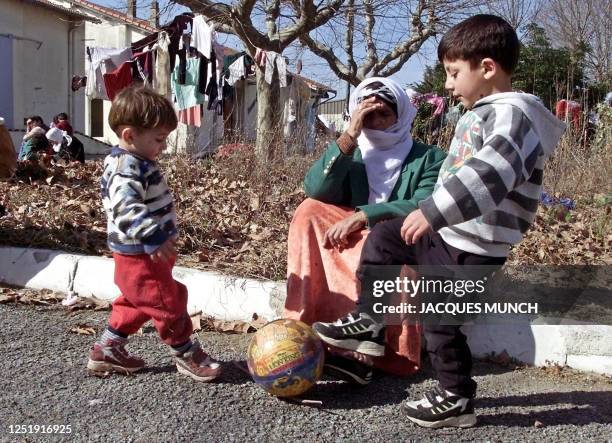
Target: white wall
41,76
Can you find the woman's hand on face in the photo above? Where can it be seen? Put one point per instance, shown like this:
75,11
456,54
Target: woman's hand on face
364,108
337,235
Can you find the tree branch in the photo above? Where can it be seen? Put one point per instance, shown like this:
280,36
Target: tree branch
325,52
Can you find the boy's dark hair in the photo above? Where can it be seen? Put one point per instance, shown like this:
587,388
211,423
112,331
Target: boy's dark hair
141,108
481,36
62,116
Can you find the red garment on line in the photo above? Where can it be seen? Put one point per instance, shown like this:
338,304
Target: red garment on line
149,292
117,80
191,116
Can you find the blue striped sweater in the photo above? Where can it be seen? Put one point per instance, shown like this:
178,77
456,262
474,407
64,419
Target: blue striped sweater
489,186
138,204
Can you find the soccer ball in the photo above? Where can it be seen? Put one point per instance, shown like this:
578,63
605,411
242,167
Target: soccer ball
286,357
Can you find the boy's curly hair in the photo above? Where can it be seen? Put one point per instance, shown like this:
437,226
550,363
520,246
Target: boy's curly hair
481,36
141,108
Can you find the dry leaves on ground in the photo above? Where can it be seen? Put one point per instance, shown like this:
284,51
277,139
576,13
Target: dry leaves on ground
234,215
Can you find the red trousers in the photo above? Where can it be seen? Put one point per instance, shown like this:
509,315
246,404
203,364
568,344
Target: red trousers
149,292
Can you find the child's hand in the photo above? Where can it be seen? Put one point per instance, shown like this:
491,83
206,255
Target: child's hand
414,226
165,252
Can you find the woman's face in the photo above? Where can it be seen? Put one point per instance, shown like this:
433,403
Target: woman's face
381,118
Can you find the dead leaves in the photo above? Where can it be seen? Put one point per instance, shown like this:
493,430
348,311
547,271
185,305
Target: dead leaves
42,297
234,216
83,329
227,326
582,236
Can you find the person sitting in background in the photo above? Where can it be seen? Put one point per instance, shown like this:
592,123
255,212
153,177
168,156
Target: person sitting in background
67,147
35,127
61,121
35,143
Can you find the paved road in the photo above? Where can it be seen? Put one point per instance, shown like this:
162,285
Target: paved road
44,382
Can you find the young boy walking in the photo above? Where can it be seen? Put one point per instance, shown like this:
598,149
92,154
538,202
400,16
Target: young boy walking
485,199
142,233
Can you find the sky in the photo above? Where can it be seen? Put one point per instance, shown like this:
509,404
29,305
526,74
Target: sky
314,67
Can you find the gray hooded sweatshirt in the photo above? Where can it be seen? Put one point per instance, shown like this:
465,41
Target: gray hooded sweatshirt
489,186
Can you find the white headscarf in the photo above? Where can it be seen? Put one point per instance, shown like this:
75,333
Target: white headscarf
57,136
384,152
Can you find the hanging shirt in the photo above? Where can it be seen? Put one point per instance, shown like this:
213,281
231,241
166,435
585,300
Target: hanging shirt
187,95
174,29
236,71
103,61
161,80
191,116
276,59
117,80
202,36
144,65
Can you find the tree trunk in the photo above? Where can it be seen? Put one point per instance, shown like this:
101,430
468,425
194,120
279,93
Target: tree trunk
269,118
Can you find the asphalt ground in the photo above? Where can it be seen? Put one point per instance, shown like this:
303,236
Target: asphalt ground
44,382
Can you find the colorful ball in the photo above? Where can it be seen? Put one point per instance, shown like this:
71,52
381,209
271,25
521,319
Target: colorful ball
285,357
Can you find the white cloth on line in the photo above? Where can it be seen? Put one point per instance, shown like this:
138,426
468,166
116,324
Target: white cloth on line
272,59
237,70
161,80
202,36
102,61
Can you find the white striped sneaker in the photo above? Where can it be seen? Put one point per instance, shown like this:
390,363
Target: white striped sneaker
440,408
356,332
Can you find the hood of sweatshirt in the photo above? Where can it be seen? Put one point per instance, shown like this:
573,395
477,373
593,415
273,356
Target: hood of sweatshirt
548,127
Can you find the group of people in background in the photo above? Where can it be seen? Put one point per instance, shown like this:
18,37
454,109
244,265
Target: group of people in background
42,142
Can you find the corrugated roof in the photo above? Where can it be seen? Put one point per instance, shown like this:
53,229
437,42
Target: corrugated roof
139,23
68,11
313,84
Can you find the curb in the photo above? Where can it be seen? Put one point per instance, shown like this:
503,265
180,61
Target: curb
583,347
213,294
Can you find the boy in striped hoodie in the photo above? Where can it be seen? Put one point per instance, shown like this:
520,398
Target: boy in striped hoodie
484,201
141,234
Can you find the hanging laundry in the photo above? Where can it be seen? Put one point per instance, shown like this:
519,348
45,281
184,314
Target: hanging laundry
187,95
174,29
260,57
191,116
276,59
202,36
143,62
236,71
161,80
118,80
102,61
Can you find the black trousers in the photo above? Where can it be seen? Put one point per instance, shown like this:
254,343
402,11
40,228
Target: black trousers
447,346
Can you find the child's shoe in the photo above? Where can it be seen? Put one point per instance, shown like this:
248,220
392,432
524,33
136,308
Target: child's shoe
357,332
111,356
197,364
440,408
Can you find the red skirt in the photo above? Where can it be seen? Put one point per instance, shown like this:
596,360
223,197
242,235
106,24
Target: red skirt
322,285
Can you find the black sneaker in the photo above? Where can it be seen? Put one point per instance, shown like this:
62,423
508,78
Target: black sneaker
347,369
439,409
357,332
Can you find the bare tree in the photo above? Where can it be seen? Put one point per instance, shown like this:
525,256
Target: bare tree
372,38
581,25
516,12
271,25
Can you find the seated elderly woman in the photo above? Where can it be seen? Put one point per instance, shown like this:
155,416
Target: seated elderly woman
373,172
